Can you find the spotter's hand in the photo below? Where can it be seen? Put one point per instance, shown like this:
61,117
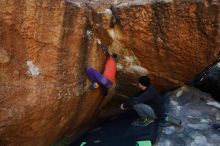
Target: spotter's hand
122,107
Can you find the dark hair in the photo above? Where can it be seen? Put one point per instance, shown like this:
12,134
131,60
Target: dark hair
115,57
145,81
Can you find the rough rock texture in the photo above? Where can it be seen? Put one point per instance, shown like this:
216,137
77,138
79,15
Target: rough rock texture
209,80
46,45
172,40
44,90
197,111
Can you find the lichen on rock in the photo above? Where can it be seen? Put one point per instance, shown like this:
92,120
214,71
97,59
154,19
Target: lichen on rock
4,56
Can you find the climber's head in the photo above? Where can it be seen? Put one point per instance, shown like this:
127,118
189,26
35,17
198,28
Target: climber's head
115,57
144,82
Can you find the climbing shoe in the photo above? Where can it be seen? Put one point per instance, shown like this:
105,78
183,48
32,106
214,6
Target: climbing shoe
142,122
94,85
147,121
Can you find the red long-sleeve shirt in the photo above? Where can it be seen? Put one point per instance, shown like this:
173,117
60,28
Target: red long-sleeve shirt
110,69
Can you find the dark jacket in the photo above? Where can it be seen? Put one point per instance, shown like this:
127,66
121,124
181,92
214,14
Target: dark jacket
150,97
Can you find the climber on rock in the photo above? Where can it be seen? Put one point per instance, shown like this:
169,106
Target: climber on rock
147,103
106,79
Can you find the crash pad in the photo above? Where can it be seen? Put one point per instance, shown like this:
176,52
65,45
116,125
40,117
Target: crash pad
118,131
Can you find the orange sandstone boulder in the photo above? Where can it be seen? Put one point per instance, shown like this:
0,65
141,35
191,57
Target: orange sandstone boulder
45,47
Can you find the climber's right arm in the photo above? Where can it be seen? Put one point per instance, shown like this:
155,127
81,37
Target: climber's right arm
105,50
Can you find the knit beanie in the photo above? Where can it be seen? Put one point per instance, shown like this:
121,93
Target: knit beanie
145,81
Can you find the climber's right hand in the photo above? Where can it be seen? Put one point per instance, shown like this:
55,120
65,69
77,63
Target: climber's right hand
98,42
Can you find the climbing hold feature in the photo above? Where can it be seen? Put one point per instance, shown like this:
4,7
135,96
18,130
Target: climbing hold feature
4,56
